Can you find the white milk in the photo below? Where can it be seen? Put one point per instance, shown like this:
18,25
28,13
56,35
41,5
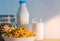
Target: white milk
23,15
34,27
38,28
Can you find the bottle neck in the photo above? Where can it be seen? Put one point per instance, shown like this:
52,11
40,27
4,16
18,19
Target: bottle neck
23,5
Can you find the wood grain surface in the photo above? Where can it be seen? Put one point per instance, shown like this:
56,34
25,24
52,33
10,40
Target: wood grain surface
49,40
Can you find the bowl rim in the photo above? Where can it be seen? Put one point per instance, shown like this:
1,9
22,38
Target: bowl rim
20,38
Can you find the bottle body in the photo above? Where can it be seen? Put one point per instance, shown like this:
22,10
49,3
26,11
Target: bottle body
23,16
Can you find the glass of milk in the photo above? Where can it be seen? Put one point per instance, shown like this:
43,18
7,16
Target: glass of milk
38,28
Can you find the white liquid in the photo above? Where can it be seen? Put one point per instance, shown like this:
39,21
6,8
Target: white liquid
34,27
23,16
38,28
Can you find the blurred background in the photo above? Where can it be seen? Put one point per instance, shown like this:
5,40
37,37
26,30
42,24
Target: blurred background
48,10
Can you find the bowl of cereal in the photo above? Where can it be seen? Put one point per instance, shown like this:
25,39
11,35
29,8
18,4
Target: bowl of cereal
19,34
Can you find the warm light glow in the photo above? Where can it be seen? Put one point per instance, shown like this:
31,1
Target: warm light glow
52,28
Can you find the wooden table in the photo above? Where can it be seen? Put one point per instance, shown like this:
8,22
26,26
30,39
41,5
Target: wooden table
49,40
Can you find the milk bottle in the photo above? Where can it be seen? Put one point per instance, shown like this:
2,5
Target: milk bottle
23,14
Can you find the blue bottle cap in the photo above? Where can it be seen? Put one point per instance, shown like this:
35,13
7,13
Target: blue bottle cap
22,1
